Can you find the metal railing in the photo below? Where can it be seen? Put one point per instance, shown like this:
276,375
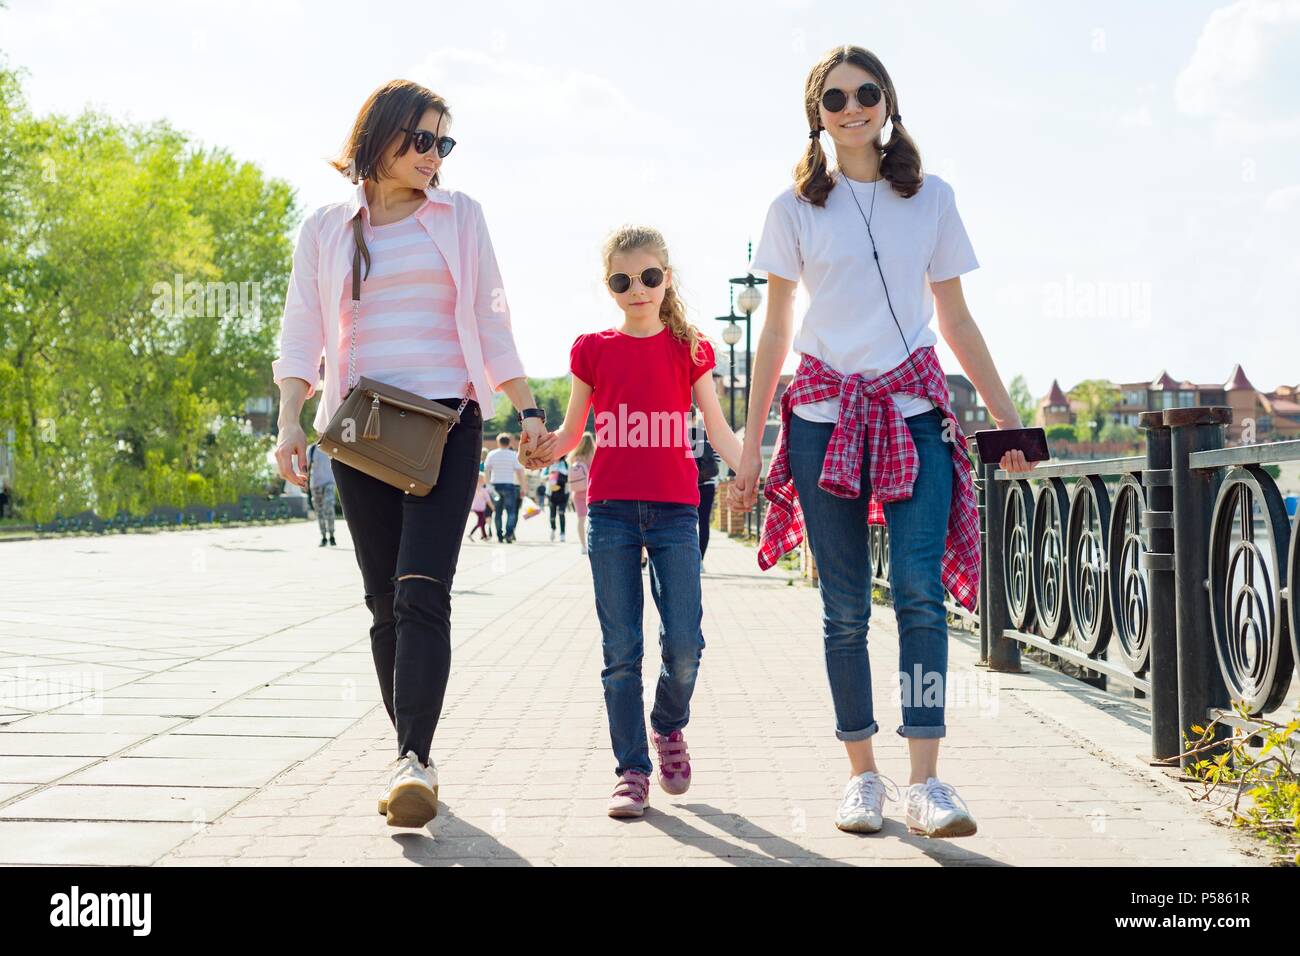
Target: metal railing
1175,574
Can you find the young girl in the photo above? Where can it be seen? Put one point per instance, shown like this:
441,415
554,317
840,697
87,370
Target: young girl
872,239
643,492
579,469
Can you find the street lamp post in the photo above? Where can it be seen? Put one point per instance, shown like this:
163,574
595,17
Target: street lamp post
731,335
749,300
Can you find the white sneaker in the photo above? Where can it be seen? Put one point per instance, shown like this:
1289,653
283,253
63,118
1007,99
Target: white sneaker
561,537
412,799
552,534
934,809
861,811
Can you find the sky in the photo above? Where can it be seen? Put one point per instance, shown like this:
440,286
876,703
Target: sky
1128,172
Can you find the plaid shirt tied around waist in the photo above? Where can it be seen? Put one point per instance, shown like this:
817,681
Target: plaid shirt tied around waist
868,414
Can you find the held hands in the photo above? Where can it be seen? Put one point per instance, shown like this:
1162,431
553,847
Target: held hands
743,492
536,445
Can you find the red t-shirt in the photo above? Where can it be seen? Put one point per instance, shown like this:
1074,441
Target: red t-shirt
641,390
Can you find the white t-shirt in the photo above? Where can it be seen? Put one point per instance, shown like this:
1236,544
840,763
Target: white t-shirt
501,466
848,323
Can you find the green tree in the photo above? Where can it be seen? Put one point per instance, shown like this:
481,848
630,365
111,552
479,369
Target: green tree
1097,397
1023,399
121,394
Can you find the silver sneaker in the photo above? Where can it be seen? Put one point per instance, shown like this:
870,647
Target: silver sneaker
862,810
412,799
934,809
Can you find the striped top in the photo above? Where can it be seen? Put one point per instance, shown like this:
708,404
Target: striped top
407,333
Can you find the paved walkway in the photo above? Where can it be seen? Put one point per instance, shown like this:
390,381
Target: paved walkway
207,697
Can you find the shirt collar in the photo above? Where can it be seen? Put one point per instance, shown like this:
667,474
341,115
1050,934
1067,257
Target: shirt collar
358,201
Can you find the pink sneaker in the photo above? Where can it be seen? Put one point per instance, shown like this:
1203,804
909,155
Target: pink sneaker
631,795
674,762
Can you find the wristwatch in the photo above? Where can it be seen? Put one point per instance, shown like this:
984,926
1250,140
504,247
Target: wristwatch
533,413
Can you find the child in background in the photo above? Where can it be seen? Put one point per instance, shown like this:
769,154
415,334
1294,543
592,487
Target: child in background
482,507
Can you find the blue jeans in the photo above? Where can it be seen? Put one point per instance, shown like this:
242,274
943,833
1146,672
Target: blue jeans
509,504
837,534
616,532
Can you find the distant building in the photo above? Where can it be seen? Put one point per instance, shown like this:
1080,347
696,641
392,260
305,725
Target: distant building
1054,408
965,402
1275,415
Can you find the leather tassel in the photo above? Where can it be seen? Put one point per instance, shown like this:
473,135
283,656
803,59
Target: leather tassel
371,430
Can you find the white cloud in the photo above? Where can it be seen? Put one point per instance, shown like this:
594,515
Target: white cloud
1245,71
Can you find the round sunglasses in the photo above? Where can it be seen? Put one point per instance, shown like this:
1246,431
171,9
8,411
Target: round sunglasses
834,100
423,141
650,278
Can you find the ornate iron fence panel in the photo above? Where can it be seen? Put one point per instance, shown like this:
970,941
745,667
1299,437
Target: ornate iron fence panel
1130,603
1051,512
1249,627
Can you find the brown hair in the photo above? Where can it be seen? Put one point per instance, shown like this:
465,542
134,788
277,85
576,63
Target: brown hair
672,311
900,160
396,104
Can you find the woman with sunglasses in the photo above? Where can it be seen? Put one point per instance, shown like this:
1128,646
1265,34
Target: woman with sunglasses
642,492
432,320
866,423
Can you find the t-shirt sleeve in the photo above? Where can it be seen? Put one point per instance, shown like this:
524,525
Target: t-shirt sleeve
707,361
778,251
952,254
580,360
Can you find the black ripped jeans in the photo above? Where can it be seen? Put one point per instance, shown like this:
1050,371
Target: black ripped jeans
396,534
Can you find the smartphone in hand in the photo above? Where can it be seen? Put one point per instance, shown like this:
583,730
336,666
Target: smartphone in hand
993,443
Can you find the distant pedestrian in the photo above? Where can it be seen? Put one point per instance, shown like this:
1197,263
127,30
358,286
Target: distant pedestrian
508,479
579,470
706,461
482,507
557,482
320,479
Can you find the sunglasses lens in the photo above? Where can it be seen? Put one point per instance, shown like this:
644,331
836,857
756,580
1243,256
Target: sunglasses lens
834,100
868,94
444,146
422,140
652,277
620,282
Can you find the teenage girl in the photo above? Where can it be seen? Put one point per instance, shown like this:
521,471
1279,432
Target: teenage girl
879,248
643,492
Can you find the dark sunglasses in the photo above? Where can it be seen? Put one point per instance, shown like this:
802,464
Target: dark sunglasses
650,278
423,141
835,100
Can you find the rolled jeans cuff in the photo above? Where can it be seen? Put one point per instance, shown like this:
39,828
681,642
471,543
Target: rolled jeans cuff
937,730
862,734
